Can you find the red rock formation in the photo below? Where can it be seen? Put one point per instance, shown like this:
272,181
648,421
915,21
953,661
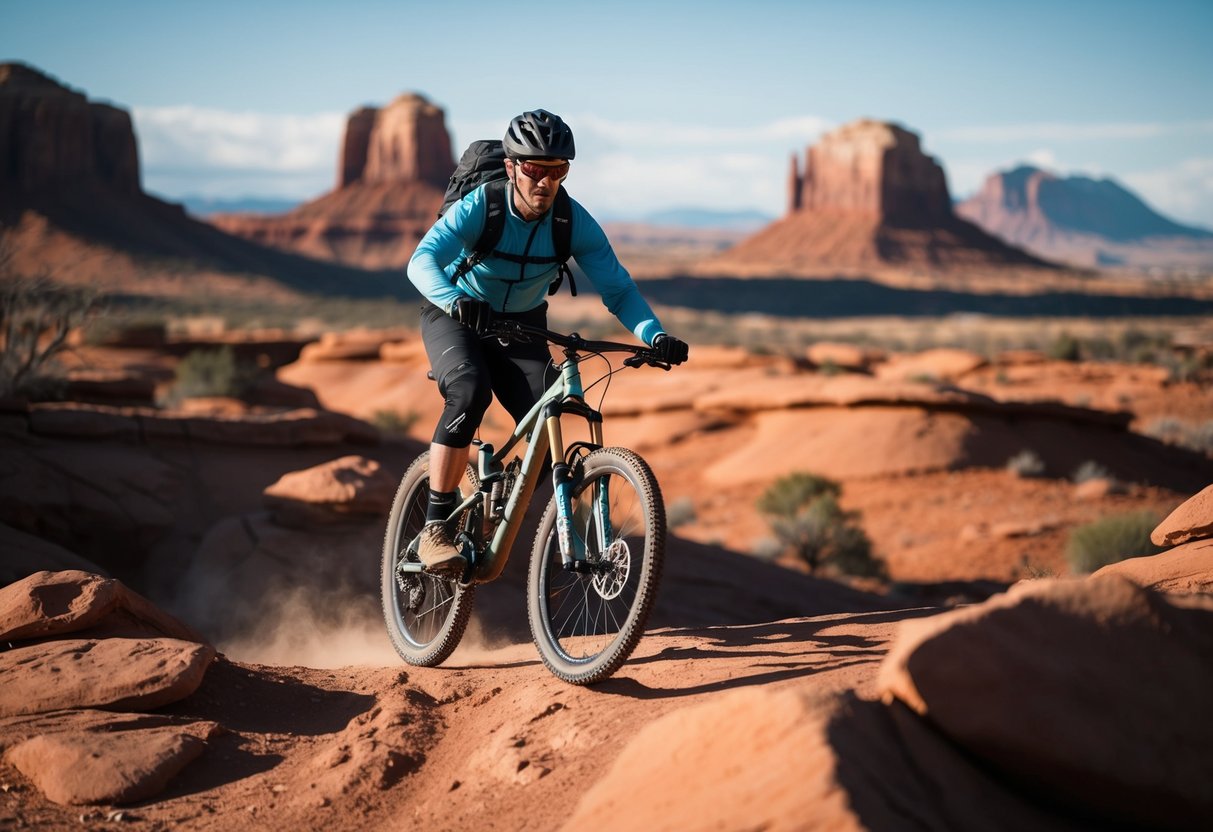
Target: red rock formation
52,136
71,206
392,174
1083,221
869,197
878,169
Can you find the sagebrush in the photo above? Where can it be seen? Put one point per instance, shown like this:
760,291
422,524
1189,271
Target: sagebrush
1110,540
804,514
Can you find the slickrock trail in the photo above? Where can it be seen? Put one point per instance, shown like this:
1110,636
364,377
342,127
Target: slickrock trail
491,741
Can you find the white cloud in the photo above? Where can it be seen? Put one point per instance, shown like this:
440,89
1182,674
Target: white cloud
1068,132
1183,191
192,150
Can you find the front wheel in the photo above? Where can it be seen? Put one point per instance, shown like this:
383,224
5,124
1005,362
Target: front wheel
425,614
586,623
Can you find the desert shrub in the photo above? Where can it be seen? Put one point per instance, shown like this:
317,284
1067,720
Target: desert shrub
680,512
1065,347
394,423
803,511
1026,463
766,548
36,316
211,373
1111,539
1193,436
1090,470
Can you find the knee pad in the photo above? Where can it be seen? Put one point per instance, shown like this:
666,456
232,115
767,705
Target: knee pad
467,398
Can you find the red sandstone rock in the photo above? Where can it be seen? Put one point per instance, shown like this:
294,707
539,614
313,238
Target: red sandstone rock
394,168
843,356
1191,521
1092,693
352,486
944,364
53,603
875,168
53,137
784,760
1185,569
870,196
99,767
1083,221
113,673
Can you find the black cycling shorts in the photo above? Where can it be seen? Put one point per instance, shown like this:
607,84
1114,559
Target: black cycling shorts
470,370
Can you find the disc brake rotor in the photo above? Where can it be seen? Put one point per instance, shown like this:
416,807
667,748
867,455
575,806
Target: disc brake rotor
614,567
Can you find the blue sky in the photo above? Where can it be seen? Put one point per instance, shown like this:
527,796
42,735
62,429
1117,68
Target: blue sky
673,104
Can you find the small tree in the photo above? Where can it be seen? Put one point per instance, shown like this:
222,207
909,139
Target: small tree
36,316
804,514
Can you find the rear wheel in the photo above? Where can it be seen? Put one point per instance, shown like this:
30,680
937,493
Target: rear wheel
425,614
586,623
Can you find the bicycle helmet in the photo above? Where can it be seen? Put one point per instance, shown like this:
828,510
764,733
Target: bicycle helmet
539,134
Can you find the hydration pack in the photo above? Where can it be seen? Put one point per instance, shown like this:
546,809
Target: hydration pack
483,163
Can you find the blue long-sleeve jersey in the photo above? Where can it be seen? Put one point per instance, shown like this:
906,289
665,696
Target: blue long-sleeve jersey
515,287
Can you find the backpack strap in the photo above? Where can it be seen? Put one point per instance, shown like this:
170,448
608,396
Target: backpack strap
562,240
490,234
494,225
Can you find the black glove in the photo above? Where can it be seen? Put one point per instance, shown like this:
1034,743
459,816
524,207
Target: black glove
473,313
670,350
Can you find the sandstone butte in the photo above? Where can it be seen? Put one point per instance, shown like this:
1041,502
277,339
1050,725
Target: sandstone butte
1084,222
72,206
394,166
868,197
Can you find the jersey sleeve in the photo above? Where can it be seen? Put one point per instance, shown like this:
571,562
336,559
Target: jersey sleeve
593,253
457,229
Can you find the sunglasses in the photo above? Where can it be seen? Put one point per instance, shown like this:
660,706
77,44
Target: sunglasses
538,172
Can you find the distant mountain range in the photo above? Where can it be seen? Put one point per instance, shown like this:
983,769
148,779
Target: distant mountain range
1085,222
202,207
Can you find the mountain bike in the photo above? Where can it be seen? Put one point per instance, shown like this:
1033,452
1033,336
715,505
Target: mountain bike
596,559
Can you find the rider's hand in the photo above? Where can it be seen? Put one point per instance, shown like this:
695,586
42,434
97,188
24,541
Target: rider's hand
473,313
670,350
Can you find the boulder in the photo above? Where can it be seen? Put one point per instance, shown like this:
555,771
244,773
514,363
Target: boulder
112,673
944,364
777,759
49,604
843,356
345,488
1193,520
100,767
1188,568
1091,693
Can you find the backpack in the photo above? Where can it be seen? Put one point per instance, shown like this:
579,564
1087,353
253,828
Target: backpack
483,163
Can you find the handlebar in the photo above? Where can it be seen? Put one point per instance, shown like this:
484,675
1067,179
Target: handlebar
507,331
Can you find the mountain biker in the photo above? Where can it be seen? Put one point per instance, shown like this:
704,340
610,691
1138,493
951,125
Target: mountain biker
455,315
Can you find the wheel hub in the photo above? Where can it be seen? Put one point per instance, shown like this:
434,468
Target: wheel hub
612,574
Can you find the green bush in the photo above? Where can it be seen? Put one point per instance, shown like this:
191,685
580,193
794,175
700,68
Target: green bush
205,373
394,423
680,512
1111,539
1065,347
1090,470
1026,463
804,514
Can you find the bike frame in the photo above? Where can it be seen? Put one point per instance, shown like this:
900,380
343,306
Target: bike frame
542,432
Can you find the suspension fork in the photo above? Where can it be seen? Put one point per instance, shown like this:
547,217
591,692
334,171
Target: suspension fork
572,547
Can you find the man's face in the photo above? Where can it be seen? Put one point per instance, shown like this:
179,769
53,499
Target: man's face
538,180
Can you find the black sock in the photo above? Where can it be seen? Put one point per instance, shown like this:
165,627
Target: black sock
442,503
